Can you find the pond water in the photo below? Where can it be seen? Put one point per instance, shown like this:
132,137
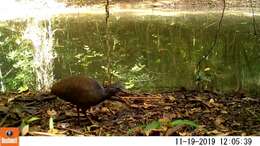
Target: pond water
154,53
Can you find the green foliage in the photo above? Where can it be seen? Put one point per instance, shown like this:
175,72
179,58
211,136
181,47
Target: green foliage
17,55
23,88
152,125
146,129
161,124
204,78
184,122
88,56
152,52
24,127
133,77
51,123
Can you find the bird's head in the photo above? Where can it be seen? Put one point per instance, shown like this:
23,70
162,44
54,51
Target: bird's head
113,89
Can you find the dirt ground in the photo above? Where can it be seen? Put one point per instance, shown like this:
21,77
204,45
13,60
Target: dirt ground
139,114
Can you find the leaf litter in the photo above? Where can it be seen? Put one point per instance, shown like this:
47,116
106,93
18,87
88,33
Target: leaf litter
178,113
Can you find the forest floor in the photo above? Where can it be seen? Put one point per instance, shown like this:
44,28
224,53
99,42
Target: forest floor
175,113
166,4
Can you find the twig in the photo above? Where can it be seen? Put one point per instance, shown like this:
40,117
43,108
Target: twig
6,74
107,11
41,133
3,120
216,36
109,75
253,17
144,97
72,130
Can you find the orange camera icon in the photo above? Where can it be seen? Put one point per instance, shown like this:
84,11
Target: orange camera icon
9,136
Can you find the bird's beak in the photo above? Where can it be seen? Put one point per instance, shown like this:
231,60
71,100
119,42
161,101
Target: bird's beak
115,98
124,91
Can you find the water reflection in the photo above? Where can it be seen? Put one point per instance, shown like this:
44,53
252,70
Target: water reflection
159,53
153,52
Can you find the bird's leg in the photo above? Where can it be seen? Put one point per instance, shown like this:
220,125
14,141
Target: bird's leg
78,115
91,121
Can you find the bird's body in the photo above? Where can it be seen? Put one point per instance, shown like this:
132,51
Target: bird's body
82,91
79,90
